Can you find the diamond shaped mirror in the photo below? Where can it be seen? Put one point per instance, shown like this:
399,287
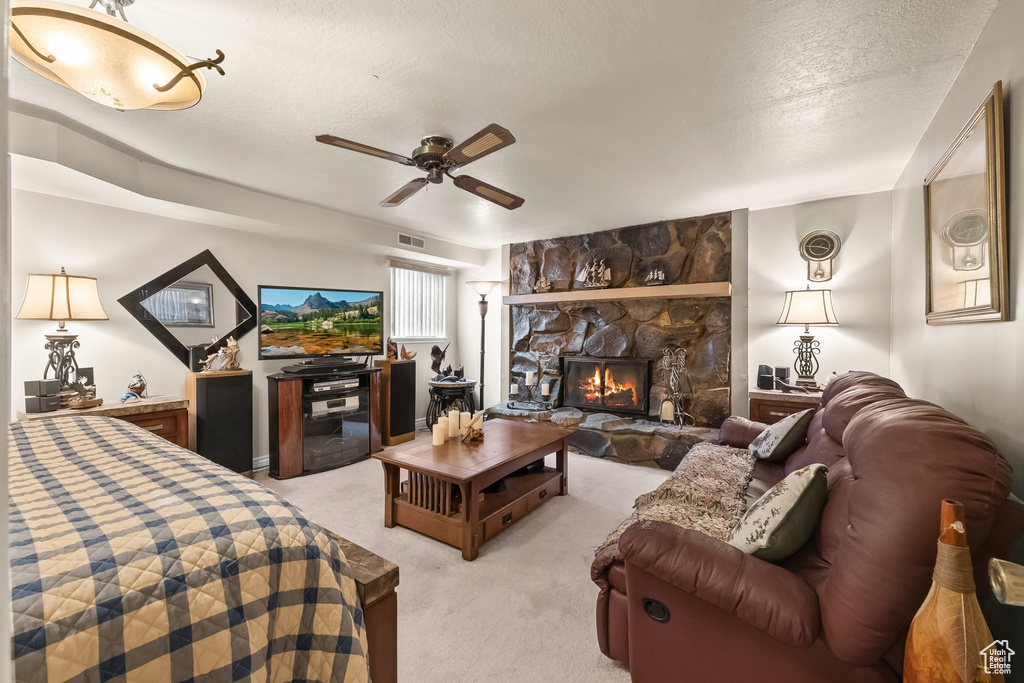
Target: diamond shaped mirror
193,305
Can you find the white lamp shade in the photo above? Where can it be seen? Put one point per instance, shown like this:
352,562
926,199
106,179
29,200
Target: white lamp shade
61,297
483,287
808,307
107,60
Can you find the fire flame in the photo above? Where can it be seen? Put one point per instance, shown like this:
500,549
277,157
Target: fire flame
614,393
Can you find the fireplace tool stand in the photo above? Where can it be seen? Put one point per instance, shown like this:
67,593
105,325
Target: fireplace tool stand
674,361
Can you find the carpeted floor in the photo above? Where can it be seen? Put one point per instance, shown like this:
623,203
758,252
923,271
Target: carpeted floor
523,610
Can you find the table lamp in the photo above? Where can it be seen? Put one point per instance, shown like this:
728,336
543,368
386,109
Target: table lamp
807,307
61,297
483,288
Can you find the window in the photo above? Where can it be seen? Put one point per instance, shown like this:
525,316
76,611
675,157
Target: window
418,297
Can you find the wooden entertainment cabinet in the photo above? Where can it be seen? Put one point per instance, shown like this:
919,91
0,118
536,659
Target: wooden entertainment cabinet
302,442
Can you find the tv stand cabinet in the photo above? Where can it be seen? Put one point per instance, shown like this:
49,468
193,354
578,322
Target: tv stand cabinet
304,443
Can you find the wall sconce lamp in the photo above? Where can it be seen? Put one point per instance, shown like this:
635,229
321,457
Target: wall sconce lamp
807,307
483,288
61,297
104,58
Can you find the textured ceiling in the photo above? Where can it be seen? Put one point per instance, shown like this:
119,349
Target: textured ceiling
624,112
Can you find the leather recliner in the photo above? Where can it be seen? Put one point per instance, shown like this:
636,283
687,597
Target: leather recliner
839,609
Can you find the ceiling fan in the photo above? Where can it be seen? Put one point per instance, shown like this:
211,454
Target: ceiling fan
439,158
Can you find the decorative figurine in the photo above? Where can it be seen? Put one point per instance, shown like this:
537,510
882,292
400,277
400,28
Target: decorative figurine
543,285
230,355
206,365
595,275
408,355
136,388
392,350
85,397
436,359
655,277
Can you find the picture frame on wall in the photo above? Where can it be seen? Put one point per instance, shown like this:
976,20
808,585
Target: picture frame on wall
965,224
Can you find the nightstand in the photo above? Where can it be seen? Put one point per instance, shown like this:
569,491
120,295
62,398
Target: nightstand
165,416
771,406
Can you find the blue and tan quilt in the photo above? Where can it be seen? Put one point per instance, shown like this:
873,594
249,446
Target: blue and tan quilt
135,560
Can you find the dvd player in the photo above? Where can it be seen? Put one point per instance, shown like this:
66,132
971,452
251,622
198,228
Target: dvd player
336,384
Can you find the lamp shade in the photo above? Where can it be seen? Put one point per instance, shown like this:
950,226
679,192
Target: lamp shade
61,297
808,307
483,287
107,60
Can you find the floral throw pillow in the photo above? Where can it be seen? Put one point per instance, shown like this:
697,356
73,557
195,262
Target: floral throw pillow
781,439
782,520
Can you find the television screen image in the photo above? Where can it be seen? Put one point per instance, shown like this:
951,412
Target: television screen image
300,323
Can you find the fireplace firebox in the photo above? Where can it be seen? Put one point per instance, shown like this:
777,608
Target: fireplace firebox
616,385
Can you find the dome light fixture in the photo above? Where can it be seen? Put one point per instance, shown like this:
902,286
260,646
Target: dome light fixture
104,58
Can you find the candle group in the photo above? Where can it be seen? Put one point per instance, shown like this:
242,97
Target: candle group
455,424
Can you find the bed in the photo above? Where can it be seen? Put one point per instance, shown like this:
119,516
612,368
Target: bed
133,559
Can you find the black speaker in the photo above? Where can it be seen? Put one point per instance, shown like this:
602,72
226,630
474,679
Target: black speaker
220,405
782,372
397,401
765,377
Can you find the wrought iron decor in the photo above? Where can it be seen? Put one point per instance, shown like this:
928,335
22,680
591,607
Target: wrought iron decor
674,361
967,274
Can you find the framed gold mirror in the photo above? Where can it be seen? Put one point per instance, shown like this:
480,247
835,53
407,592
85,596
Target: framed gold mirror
965,224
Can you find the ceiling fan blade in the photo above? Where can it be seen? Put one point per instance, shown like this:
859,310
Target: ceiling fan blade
490,139
364,149
406,191
488,192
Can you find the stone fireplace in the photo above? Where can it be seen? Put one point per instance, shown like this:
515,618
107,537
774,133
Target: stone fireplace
689,310
614,385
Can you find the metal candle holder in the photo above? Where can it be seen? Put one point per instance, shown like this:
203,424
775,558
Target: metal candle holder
674,361
514,404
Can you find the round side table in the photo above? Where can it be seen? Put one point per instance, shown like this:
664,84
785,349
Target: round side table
445,396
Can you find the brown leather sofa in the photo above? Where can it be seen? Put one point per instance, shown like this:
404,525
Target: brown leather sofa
839,609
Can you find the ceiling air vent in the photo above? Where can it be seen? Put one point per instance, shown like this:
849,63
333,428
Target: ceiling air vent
410,241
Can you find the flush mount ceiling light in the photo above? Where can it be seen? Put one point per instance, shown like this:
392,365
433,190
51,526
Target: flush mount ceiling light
104,58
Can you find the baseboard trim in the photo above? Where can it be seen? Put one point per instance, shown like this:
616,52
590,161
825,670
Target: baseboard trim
261,462
421,423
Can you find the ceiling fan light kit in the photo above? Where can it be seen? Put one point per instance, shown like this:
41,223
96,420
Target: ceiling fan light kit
104,58
437,157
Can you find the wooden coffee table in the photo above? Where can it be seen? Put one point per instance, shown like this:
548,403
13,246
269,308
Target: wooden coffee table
442,499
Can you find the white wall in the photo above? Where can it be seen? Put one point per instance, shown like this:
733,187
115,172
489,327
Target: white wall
125,249
469,328
860,285
975,371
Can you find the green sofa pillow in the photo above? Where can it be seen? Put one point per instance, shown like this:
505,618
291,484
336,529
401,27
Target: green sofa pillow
780,440
780,522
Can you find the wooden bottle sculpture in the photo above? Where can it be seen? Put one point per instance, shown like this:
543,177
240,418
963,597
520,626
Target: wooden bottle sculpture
948,632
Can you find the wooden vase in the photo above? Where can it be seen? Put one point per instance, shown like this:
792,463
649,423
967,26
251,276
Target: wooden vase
949,631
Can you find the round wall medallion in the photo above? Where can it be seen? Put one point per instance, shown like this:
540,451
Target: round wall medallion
820,245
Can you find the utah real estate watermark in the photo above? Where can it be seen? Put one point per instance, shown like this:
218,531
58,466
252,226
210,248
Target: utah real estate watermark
997,657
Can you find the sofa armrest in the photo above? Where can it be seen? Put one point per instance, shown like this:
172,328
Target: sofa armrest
738,432
767,597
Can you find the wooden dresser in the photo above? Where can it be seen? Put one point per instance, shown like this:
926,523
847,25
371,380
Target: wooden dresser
165,416
771,406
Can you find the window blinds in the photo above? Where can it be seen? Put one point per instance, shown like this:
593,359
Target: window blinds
417,304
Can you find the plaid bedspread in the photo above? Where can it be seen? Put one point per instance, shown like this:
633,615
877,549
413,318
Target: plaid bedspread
135,560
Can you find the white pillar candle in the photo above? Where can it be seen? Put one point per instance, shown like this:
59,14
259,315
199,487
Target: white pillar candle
545,389
443,422
529,378
668,412
453,423
464,421
513,390
440,434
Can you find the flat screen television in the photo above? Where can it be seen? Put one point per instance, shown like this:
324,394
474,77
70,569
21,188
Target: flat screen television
297,322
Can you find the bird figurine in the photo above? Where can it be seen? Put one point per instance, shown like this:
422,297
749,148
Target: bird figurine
408,355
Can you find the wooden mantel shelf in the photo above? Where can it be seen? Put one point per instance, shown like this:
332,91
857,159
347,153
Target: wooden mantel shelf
700,290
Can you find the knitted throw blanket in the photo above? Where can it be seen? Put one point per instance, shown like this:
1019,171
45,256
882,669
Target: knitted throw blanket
705,493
